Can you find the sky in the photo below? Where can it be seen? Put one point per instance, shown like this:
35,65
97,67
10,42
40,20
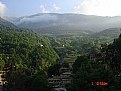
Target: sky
88,7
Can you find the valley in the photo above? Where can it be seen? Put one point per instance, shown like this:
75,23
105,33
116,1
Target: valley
34,49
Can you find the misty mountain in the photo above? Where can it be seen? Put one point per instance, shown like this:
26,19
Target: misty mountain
6,23
53,22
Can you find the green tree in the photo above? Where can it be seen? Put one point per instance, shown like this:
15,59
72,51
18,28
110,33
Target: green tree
88,72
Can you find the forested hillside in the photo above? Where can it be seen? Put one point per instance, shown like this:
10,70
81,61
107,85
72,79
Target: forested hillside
100,71
25,56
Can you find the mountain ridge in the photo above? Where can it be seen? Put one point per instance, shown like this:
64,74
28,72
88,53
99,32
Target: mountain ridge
67,21
109,33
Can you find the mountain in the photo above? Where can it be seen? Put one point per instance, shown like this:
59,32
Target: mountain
110,33
6,23
26,47
69,22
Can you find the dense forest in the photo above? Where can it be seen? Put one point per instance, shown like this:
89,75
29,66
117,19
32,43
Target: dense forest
104,67
25,56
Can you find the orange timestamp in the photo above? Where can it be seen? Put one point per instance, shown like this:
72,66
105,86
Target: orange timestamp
100,83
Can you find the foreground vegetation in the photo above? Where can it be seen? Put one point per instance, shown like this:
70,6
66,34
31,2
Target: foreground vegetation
106,69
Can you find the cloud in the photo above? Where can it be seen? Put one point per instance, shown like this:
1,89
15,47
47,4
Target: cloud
99,7
37,18
56,7
2,8
43,9
52,8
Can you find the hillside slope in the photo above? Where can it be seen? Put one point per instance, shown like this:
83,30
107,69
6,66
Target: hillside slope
25,47
6,23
